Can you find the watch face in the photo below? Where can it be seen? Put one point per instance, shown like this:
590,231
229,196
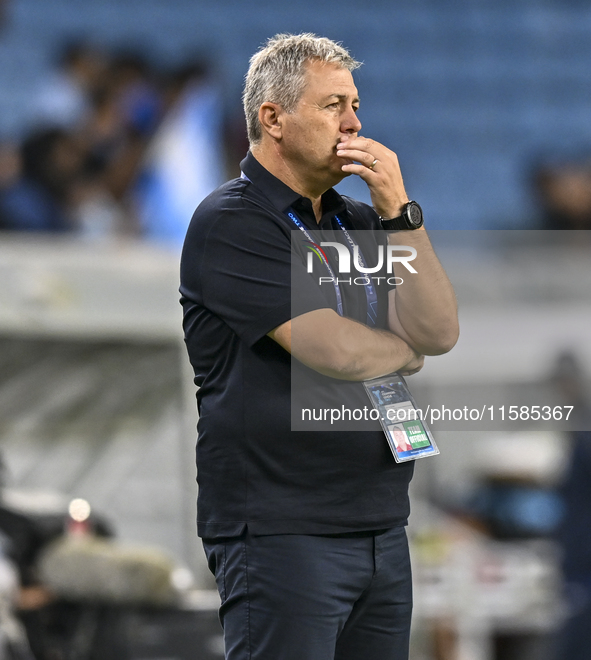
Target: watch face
414,214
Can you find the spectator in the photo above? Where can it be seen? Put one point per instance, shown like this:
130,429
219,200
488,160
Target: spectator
34,181
575,532
564,191
63,98
184,162
10,173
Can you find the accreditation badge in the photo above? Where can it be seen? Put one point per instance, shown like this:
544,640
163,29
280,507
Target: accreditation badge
407,433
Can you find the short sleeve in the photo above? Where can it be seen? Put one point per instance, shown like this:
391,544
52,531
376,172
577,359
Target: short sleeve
245,273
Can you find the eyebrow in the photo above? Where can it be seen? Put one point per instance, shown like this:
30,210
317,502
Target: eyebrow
342,97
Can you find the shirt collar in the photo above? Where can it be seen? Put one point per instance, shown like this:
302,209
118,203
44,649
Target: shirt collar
282,196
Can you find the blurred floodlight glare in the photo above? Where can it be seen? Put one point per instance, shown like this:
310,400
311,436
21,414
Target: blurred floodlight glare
182,578
79,510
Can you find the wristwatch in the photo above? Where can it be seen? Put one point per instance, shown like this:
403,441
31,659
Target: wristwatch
411,218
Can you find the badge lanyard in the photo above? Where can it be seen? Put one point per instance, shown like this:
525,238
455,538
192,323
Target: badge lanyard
370,291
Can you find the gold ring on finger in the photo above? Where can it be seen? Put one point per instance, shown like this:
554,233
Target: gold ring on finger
375,160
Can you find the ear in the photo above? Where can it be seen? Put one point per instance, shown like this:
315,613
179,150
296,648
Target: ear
271,119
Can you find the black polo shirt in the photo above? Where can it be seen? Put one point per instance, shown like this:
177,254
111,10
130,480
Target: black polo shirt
236,271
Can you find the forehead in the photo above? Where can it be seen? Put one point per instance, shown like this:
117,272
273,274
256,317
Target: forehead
324,79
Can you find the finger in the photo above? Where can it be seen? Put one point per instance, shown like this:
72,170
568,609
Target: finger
361,143
369,147
360,156
361,170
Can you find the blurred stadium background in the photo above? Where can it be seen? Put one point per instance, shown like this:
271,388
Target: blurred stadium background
116,119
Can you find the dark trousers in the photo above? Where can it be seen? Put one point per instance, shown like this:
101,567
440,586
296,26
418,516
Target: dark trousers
298,597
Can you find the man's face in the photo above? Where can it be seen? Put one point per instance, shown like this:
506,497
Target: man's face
324,116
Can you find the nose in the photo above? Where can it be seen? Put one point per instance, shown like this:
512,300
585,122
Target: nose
350,122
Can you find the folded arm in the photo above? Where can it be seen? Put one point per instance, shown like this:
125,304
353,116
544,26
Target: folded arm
423,309
342,348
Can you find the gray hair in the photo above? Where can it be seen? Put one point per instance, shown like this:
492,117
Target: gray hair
277,73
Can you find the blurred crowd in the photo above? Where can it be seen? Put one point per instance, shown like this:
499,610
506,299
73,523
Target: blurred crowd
107,131
119,147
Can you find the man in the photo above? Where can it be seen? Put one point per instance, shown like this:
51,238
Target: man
304,531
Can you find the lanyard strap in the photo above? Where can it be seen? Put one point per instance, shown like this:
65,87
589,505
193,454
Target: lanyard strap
371,296
370,291
319,251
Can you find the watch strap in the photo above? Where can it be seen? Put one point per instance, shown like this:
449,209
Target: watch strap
410,218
